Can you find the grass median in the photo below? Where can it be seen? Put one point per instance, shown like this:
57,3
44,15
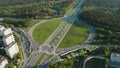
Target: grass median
76,35
43,31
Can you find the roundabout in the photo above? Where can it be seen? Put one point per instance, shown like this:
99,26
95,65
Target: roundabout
77,34
63,33
53,32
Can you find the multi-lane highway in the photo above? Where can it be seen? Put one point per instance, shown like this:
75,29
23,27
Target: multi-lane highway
35,44
88,41
56,37
51,44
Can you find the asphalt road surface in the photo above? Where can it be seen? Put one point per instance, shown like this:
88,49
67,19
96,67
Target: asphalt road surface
59,33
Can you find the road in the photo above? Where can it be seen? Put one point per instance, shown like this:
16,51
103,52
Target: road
25,44
58,34
66,52
91,57
88,41
35,44
80,47
24,39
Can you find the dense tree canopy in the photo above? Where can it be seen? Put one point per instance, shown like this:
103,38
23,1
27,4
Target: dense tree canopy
105,16
18,22
34,8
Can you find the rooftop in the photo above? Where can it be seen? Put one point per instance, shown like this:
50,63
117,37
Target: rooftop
115,55
10,45
6,29
1,27
8,36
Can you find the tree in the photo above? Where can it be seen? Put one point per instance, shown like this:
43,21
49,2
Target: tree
34,8
105,51
18,22
104,16
10,65
106,63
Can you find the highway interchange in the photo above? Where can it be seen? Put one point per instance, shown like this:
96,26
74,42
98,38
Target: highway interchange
51,44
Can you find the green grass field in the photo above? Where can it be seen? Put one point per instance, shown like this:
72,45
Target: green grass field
43,31
76,35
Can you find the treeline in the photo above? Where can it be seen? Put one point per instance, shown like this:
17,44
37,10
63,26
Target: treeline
34,8
105,16
16,2
74,62
18,22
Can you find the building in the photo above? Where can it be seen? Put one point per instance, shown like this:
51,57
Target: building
115,60
7,31
1,29
8,39
12,49
3,62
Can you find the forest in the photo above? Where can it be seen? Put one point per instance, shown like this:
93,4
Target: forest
35,9
17,22
104,15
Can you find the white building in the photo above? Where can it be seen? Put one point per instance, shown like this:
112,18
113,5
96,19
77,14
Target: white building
7,31
8,39
3,62
115,60
12,49
1,29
